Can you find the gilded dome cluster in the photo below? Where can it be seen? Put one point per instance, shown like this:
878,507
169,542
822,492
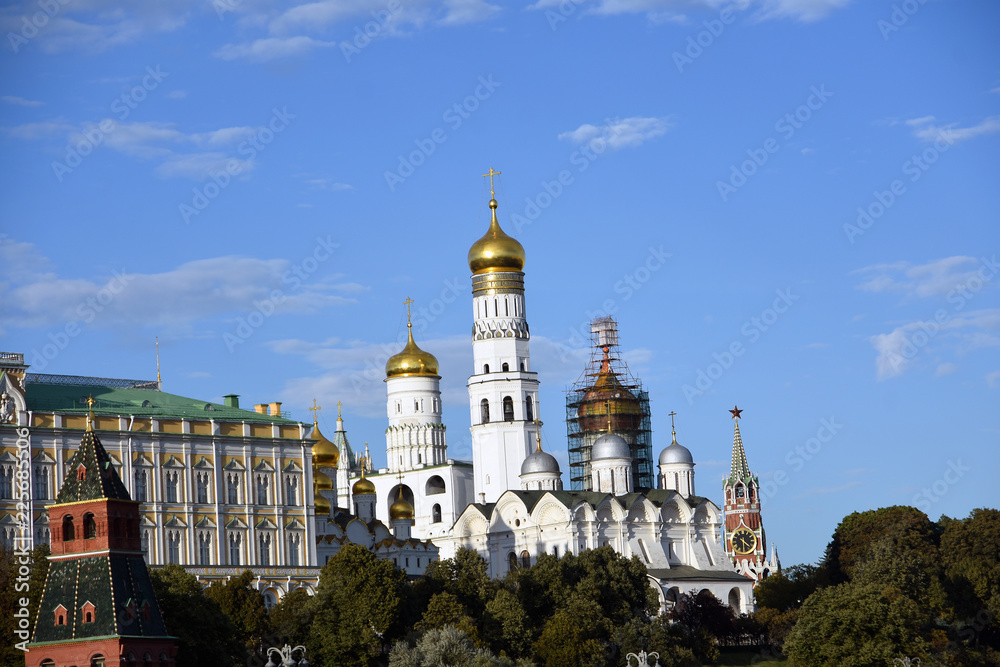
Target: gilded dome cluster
401,509
411,360
496,251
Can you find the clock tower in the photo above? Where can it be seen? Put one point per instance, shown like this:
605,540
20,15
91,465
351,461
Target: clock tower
744,539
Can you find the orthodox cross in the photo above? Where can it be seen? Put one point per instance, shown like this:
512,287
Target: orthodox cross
338,410
408,302
315,409
672,415
491,174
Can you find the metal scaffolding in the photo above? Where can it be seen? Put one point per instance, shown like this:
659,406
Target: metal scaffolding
607,397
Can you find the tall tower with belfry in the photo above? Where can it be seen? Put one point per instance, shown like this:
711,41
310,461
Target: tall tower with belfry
503,388
744,539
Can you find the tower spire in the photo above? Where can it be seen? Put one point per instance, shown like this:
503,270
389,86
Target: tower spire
740,469
158,380
90,413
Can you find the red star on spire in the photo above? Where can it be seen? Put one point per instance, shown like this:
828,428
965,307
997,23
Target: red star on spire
735,412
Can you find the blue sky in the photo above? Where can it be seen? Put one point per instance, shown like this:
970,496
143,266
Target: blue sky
790,205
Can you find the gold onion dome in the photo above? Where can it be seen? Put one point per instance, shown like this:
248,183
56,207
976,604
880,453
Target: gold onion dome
608,399
364,486
325,453
401,509
496,251
322,504
411,360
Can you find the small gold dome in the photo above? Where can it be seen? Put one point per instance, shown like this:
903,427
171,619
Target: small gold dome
363,487
325,453
496,251
321,482
401,509
322,505
411,360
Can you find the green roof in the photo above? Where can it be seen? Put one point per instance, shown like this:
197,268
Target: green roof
110,400
98,479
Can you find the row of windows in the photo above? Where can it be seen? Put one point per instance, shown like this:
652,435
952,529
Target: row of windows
204,482
418,406
234,543
511,307
504,367
40,486
508,410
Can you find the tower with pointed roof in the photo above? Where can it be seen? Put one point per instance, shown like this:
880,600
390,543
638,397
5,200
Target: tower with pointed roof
98,605
743,537
503,388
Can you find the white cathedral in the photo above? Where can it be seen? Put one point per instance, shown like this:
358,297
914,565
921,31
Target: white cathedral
509,504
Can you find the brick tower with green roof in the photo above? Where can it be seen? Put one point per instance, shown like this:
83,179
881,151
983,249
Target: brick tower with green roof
98,605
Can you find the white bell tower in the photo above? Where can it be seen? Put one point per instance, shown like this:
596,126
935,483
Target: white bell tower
503,389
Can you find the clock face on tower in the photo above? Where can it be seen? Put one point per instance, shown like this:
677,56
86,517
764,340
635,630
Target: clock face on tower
744,540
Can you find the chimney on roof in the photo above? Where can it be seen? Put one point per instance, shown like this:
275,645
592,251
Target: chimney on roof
260,408
275,409
232,400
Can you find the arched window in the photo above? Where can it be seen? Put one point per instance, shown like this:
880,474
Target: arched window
529,411
434,486
436,514
89,526
508,409
739,490
97,661
204,549
511,561
68,532
525,559
522,366
486,368
505,367
140,485
484,411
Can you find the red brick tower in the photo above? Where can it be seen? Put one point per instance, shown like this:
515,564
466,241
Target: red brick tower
98,608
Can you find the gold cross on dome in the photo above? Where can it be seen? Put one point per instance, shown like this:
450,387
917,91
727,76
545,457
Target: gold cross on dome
408,302
672,415
90,402
491,174
338,410
314,409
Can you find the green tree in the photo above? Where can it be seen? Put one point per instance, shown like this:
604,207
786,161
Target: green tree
704,620
244,605
447,647
464,576
506,625
575,636
291,619
358,606
444,609
658,635
907,528
206,636
789,588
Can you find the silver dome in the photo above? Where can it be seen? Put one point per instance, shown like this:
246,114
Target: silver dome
610,446
676,453
539,461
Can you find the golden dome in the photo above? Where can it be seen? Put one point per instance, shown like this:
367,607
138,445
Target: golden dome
322,505
411,360
363,487
496,251
325,453
608,400
401,509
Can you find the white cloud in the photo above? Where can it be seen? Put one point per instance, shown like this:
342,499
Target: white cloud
963,333
176,95
619,133
162,142
189,295
661,11
935,278
926,130
458,12
270,48
329,184
946,368
20,101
